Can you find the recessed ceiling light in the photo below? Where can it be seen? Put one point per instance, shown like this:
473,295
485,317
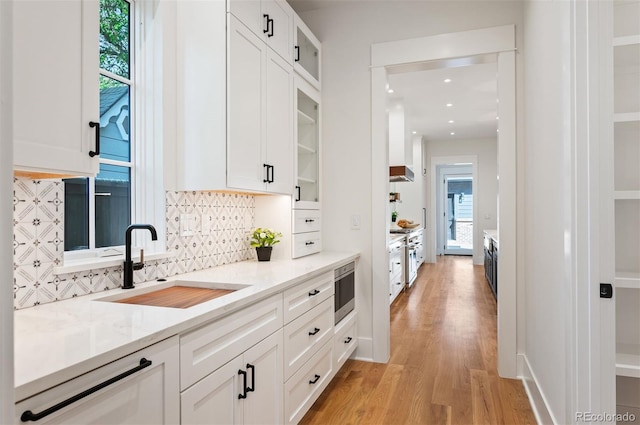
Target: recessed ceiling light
449,105
497,118
452,133
447,80
413,132
451,121
390,90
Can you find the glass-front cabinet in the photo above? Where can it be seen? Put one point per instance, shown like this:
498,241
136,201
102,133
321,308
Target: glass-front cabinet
307,190
306,53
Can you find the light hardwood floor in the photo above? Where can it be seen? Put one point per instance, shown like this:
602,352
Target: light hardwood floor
443,365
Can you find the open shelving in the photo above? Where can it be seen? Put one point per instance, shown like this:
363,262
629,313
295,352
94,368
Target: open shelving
628,360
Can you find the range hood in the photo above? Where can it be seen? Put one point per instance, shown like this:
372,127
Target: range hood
400,173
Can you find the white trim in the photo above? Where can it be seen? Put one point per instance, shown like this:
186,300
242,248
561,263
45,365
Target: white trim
7,394
536,397
496,40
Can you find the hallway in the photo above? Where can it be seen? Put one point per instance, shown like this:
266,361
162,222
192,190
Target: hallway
443,366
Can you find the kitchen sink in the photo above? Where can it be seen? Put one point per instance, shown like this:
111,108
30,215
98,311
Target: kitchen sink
174,294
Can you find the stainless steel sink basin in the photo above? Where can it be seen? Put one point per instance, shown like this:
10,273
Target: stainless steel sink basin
174,294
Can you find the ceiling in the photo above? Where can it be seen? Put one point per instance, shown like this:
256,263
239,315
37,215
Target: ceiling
472,93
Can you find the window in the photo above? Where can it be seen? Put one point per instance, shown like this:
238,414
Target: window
98,210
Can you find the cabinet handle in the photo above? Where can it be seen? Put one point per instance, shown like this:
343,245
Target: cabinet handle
315,379
244,384
270,173
309,243
348,340
315,331
95,125
309,220
28,415
266,29
314,292
253,378
272,27
269,29
298,195
297,53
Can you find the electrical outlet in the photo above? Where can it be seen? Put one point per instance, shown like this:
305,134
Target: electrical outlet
355,222
188,223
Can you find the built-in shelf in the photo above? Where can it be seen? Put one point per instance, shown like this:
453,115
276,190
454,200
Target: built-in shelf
626,40
305,149
627,280
628,360
305,119
626,117
622,195
306,180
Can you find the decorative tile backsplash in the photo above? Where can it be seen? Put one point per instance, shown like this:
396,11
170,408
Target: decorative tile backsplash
38,245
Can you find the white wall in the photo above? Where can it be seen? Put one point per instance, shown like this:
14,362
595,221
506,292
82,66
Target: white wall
6,212
547,294
412,194
347,30
485,189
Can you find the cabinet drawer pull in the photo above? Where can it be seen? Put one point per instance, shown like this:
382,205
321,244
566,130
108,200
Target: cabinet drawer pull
309,243
348,340
314,292
315,379
297,59
309,220
95,125
315,331
244,384
253,377
28,415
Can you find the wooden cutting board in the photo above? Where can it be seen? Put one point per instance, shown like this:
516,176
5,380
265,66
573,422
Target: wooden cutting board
176,297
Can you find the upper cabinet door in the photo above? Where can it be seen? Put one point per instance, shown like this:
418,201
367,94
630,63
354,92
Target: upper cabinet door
56,93
306,55
279,31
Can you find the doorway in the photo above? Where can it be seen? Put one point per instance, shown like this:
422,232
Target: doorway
457,219
499,43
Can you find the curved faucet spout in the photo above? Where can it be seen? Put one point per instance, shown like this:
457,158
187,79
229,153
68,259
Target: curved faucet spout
129,266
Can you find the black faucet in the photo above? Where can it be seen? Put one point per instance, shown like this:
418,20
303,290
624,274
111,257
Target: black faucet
130,266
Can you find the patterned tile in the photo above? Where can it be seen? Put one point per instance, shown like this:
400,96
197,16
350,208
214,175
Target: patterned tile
50,194
24,200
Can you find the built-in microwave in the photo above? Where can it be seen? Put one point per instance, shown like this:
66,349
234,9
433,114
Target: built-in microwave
344,296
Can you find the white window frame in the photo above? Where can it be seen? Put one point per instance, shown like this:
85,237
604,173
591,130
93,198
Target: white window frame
147,179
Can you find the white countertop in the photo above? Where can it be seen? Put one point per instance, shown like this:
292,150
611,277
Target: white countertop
395,237
59,341
493,234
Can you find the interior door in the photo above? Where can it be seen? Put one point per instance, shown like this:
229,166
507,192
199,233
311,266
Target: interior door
458,214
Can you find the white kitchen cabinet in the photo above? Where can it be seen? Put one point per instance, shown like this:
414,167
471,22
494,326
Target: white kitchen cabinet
307,51
307,143
141,388
303,297
260,114
396,268
623,105
306,334
246,390
196,159
54,105
345,340
270,20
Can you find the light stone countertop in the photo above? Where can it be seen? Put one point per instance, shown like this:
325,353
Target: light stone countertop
493,234
58,341
395,237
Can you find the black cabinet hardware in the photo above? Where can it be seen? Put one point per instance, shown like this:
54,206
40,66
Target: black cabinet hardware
309,243
606,290
28,415
244,384
298,193
269,27
95,125
272,179
253,377
314,292
309,220
297,53
315,331
348,340
315,379
266,180
270,173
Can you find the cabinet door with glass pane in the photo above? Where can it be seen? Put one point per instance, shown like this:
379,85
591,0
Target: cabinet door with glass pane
306,53
307,167
55,86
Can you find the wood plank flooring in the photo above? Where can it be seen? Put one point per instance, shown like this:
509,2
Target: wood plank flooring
443,365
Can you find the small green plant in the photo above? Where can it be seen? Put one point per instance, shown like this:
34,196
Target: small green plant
394,215
264,237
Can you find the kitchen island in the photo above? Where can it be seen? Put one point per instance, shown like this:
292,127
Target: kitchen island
60,341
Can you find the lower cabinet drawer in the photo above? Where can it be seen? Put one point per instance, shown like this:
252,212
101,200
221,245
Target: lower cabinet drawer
306,385
306,295
303,336
306,221
306,243
205,349
345,340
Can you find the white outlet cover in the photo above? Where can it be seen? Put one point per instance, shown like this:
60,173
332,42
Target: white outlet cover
187,224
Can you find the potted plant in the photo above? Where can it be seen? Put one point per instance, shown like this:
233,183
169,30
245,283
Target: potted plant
263,239
394,216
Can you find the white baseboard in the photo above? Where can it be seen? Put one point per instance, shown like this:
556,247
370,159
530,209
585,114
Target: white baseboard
537,399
